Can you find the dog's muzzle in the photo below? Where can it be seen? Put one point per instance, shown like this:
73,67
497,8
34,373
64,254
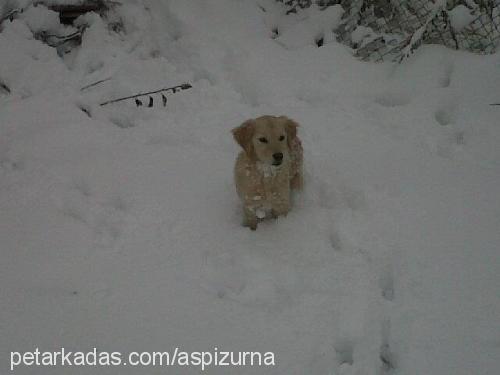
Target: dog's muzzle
278,158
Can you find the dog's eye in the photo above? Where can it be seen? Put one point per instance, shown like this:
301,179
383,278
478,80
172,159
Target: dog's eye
263,140
282,138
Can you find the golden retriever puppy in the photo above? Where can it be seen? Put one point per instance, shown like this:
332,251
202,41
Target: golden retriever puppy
268,167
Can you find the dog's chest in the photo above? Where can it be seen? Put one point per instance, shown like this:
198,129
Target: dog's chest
269,183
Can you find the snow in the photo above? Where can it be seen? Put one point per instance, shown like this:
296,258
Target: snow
63,2
296,31
460,17
40,18
260,213
267,170
122,230
360,33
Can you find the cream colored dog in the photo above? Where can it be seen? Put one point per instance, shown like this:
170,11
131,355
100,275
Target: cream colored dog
268,167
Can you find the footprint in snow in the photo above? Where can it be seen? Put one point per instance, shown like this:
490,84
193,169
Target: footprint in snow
344,351
106,218
392,99
223,276
444,116
445,80
386,284
386,355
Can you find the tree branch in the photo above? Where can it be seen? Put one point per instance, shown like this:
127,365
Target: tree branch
94,84
174,89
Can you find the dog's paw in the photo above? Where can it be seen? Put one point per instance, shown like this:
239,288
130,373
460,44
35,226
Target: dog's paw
280,210
250,224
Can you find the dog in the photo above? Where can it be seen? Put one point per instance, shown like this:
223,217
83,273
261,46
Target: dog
269,166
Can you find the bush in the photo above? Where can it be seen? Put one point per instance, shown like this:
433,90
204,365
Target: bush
393,29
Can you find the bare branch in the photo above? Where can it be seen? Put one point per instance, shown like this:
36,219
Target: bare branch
173,89
4,87
94,84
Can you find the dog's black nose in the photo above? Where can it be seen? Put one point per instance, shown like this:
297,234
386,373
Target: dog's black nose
278,156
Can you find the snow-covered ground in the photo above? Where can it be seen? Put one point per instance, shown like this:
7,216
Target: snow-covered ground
121,230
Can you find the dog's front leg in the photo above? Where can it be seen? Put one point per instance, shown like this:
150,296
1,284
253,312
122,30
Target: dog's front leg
281,209
250,219
297,182
281,203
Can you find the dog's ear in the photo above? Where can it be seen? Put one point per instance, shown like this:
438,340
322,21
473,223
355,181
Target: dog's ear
291,130
243,136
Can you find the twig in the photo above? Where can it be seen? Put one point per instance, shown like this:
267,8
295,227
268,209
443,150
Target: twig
11,14
94,84
495,104
4,87
61,39
174,89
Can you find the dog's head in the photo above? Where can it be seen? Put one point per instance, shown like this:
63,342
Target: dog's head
267,139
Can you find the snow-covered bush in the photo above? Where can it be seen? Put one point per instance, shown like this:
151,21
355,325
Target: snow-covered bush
312,26
58,23
390,29
10,8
